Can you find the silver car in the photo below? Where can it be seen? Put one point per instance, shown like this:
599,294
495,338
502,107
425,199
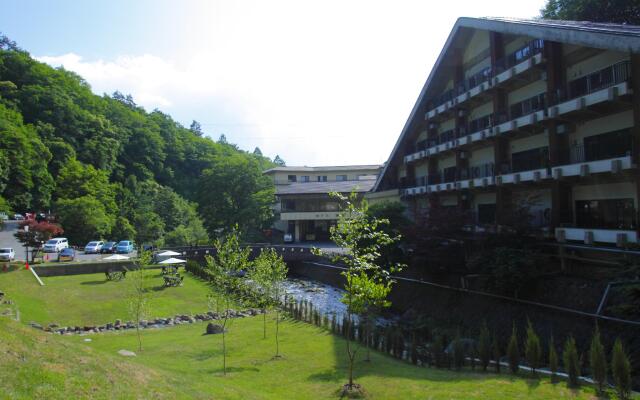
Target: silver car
93,247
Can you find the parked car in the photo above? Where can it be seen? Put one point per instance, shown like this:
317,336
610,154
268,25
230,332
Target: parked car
55,245
18,217
124,247
7,254
67,254
108,248
93,247
4,216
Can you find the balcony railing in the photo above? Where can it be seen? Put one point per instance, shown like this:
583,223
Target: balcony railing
447,136
531,49
601,79
481,171
528,106
527,51
599,151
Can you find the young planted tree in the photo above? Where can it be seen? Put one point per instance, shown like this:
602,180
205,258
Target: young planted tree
269,272
621,371
138,299
513,351
571,361
484,346
553,360
598,361
497,352
368,283
532,349
225,266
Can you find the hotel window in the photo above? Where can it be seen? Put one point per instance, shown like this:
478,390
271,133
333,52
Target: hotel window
292,178
606,214
322,178
304,178
340,178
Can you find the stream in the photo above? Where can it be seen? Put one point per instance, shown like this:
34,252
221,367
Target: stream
324,297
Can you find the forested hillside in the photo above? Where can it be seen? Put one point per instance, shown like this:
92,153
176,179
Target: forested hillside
108,168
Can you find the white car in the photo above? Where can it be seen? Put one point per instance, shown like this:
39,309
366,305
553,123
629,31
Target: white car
7,254
55,245
4,216
93,247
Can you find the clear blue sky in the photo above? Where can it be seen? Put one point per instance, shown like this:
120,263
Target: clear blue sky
318,82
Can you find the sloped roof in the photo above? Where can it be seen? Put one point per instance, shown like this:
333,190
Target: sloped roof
620,37
359,186
325,169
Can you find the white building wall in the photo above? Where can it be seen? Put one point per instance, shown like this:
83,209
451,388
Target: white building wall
606,124
516,44
481,111
447,125
528,143
595,63
447,162
449,200
621,190
481,156
478,43
528,91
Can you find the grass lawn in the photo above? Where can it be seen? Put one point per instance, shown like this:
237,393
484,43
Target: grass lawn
180,362
313,367
91,299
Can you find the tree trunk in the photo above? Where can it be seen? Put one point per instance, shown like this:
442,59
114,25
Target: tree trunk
349,352
277,326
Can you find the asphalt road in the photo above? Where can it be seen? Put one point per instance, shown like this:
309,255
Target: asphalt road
8,240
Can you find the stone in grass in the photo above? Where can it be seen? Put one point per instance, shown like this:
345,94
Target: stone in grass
213,329
126,353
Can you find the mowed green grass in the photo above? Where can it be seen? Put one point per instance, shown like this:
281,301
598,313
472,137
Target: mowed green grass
313,366
180,362
91,299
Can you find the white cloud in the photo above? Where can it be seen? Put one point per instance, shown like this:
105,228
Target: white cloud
328,82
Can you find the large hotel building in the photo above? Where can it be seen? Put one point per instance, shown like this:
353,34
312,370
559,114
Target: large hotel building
540,112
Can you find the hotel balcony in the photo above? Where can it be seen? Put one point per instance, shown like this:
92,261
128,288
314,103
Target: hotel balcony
310,215
505,70
589,236
599,87
583,161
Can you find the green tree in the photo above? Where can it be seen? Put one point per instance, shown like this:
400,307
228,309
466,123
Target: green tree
621,371
553,360
269,272
123,230
367,283
235,192
196,128
513,351
598,361
532,349
571,361
83,219
279,161
139,294
230,258
618,11
484,346
497,352
77,180
149,227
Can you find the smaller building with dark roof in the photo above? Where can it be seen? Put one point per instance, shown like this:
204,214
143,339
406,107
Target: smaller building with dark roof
304,209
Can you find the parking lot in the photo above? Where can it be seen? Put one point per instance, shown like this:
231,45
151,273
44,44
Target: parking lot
8,240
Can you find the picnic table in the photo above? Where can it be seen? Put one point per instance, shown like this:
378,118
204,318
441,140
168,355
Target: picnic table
173,280
113,275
